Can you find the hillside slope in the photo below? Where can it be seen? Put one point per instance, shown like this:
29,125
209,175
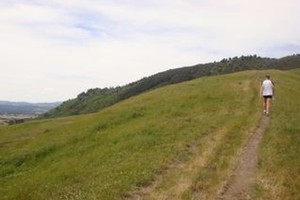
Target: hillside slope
96,99
107,155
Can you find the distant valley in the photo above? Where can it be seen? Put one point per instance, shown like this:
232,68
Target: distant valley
16,112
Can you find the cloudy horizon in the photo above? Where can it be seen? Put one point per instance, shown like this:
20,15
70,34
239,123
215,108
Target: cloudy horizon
53,50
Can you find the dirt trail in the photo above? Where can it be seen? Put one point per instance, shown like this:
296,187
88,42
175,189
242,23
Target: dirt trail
239,185
180,174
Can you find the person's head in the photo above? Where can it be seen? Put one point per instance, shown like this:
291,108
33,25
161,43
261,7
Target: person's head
268,77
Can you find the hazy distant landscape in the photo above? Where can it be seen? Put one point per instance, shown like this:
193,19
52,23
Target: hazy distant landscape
14,118
16,112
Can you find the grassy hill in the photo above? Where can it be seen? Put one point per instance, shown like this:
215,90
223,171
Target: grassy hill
96,99
108,154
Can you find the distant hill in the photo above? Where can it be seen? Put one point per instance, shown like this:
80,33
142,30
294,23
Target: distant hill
96,99
8,107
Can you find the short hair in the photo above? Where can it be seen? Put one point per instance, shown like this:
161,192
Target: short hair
268,76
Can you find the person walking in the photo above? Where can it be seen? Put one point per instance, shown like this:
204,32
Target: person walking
267,91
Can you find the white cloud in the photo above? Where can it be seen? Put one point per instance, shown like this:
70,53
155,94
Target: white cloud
73,45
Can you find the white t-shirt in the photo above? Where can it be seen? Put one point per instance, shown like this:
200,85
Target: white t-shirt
267,87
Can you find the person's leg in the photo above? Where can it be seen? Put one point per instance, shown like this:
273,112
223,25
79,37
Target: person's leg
268,104
265,104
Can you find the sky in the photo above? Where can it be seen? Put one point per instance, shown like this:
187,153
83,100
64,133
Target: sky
52,50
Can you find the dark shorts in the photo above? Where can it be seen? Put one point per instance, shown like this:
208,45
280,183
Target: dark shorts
268,97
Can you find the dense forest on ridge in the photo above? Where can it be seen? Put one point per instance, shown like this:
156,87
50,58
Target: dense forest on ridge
96,99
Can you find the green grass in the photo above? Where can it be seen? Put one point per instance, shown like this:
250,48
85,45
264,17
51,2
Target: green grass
279,176
107,154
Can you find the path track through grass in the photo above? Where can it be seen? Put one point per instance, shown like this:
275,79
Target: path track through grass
180,175
243,177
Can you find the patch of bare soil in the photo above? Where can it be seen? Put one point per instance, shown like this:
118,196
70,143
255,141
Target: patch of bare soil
243,177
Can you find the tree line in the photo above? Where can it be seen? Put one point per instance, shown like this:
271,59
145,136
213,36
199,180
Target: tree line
96,99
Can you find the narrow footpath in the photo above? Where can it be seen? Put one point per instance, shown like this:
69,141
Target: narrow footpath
239,185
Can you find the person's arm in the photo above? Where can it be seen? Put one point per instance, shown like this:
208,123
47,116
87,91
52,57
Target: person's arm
273,88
